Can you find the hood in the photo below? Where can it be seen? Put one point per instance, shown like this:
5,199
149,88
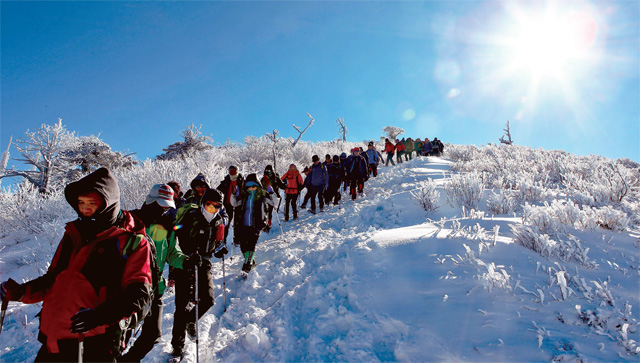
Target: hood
199,178
212,195
105,184
252,178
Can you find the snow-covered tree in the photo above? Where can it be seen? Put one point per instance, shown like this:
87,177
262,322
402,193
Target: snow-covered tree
275,148
303,131
43,150
194,142
90,153
5,159
507,134
392,132
342,129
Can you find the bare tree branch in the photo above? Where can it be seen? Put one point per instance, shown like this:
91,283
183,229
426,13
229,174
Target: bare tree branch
303,131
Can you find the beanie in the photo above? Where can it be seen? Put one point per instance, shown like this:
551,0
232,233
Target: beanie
315,158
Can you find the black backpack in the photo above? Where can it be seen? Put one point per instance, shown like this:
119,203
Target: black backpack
132,324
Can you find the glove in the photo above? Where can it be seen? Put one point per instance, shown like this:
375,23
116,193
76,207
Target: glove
12,291
236,191
171,283
192,261
85,320
269,189
221,250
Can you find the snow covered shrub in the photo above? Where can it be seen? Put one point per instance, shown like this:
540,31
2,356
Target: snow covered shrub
503,202
427,196
29,211
612,219
533,239
542,218
463,153
465,190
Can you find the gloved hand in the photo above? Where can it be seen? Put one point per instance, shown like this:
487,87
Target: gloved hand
171,283
11,290
193,260
85,320
236,191
221,250
269,189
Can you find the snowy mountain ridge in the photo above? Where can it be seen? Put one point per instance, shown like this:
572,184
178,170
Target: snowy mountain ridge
374,280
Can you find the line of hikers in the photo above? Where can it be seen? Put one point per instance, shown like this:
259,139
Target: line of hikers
106,275
406,148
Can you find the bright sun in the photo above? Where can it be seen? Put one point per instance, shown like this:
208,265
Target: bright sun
551,43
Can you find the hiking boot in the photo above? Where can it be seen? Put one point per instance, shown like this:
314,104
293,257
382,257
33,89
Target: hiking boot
191,331
286,218
303,206
177,352
246,267
295,216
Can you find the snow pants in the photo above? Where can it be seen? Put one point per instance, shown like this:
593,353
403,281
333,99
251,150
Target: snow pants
356,185
314,191
389,159
185,293
333,193
373,169
97,348
150,335
290,200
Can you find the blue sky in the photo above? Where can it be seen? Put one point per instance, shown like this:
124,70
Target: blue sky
566,74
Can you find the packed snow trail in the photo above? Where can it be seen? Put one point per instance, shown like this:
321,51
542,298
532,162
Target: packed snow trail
374,280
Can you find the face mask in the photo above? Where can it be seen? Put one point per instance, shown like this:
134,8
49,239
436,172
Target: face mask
233,172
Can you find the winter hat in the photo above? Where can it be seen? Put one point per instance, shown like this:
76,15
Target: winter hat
252,180
293,166
370,143
336,158
199,180
268,168
315,158
211,195
161,194
343,156
355,149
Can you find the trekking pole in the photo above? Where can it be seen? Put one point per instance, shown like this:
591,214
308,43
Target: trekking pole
80,347
5,304
224,286
281,231
196,298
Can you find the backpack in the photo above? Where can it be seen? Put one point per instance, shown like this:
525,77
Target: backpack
132,324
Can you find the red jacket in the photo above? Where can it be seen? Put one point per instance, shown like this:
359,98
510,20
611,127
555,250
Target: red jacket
293,180
388,147
92,274
400,147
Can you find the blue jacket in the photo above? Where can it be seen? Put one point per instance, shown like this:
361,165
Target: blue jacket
318,176
372,156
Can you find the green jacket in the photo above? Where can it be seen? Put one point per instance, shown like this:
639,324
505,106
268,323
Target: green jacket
168,251
410,145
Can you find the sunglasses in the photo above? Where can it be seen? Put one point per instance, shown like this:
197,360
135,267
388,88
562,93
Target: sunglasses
213,204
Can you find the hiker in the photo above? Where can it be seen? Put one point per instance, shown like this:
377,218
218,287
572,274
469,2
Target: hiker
200,232
316,183
390,150
231,185
356,172
159,221
400,151
198,186
270,178
99,275
178,198
343,161
435,147
409,146
294,184
374,159
337,174
427,148
418,146
327,161
250,219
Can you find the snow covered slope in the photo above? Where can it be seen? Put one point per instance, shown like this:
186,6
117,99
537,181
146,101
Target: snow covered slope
375,280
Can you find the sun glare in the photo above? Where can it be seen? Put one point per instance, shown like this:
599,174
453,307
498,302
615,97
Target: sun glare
552,43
